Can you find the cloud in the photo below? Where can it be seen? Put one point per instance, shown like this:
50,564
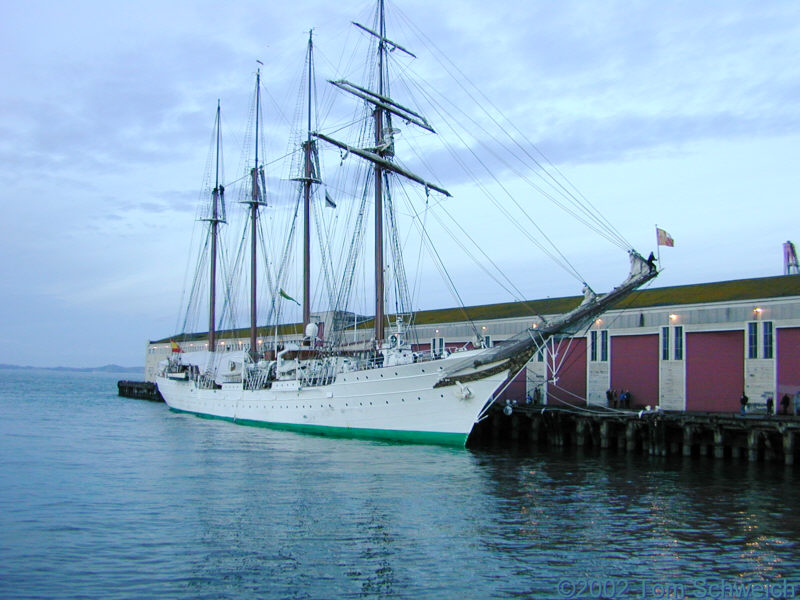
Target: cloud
106,115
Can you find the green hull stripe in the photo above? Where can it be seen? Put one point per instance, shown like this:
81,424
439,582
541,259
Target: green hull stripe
413,437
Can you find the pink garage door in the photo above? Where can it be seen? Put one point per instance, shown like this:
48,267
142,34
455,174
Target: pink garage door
634,367
788,361
714,370
570,389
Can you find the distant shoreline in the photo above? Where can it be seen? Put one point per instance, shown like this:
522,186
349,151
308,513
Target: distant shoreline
103,369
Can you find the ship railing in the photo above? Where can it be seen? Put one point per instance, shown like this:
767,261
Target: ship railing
317,375
205,381
257,380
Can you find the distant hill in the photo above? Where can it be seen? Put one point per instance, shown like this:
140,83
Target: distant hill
103,369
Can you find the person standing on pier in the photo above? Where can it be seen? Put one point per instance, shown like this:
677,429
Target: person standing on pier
785,404
743,402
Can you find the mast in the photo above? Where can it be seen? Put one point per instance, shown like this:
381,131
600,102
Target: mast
254,204
381,155
307,197
217,198
378,115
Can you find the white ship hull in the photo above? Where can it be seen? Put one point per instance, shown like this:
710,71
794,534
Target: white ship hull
394,403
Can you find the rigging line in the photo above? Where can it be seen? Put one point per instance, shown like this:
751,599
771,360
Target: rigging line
590,219
232,301
341,127
575,406
585,217
559,260
604,409
226,282
348,253
513,292
581,199
449,281
441,55
191,308
400,279
418,270
324,250
563,261
325,236
351,259
557,366
281,273
267,281
502,208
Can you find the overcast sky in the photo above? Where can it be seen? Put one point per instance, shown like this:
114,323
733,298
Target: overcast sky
683,114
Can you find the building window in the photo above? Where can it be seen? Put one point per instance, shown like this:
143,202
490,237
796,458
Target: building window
437,346
679,343
752,340
604,345
487,340
665,343
593,346
767,339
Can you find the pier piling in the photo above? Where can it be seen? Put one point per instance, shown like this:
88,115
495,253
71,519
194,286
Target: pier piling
655,433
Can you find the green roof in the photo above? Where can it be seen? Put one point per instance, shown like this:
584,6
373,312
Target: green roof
723,291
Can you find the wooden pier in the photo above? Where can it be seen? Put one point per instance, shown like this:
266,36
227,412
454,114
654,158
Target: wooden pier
657,433
143,390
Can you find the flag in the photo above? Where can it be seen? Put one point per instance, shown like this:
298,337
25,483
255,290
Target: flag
287,296
664,239
329,201
175,346
789,259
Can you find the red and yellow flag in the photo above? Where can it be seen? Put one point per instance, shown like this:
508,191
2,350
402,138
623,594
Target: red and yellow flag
664,239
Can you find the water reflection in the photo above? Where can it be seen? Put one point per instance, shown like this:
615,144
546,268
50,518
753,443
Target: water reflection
606,515
155,503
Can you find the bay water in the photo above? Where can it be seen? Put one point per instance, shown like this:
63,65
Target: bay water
107,497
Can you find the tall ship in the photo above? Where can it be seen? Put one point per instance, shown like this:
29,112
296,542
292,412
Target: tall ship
383,384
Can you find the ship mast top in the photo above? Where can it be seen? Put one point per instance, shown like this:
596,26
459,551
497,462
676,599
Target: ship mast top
382,153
